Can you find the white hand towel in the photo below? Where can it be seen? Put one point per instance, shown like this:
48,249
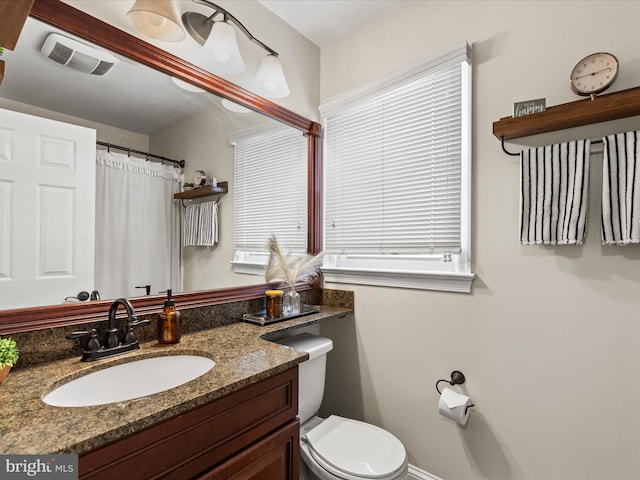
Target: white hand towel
554,192
620,189
201,224
190,229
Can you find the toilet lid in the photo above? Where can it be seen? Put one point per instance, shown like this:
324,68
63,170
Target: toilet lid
354,448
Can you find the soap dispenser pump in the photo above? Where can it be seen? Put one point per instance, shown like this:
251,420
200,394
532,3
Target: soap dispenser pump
169,322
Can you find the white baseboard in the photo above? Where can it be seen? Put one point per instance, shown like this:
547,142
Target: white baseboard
416,474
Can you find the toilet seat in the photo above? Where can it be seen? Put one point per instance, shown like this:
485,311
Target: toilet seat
354,450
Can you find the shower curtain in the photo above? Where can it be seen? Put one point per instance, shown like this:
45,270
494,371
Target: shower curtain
137,226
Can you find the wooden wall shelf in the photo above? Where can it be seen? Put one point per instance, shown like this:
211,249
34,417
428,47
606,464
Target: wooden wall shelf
612,106
12,17
223,187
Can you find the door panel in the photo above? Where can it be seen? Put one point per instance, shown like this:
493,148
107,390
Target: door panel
47,205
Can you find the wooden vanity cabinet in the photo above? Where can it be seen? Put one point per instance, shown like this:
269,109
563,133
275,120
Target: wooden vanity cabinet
252,433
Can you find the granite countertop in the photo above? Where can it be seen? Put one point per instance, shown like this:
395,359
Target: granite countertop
242,356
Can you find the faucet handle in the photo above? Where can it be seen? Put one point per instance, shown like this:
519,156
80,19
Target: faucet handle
130,337
93,345
147,289
136,322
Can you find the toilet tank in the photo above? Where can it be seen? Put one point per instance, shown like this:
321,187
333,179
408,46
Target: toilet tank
311,373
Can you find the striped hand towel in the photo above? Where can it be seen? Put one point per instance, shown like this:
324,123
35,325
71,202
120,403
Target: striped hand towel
201,224
554,192
620,189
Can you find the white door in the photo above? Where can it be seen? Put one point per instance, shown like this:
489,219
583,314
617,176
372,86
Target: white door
47,205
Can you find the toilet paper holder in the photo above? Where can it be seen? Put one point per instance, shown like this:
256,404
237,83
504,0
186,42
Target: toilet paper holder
457,378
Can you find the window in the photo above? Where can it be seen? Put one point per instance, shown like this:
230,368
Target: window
270,194
398,178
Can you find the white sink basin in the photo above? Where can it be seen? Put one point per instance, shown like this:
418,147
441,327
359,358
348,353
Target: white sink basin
129,380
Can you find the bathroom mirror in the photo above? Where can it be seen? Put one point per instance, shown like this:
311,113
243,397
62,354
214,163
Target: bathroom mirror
68,19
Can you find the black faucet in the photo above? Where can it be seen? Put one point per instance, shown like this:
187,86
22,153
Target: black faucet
93,350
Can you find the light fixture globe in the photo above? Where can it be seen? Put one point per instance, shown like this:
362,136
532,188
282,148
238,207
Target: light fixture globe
223,43
187,86
157,19
271,77
234,107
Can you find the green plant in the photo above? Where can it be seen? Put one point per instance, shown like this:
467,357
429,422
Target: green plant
8,352
290,270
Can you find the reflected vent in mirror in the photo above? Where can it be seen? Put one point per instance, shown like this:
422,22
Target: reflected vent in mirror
78,56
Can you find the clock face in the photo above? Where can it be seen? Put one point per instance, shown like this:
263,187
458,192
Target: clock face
594,74
199,178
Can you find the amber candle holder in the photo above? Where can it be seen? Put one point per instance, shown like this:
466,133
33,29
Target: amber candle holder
273,302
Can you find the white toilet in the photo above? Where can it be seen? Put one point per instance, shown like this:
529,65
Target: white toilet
338,448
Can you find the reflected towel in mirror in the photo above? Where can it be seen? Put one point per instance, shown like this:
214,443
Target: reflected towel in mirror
201,224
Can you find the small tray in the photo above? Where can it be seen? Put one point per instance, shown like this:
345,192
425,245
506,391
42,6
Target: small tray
260,318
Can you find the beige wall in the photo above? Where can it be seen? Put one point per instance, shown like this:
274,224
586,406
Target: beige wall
549,339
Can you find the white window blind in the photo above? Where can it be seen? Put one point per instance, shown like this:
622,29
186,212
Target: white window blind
270,188
397,177
393,167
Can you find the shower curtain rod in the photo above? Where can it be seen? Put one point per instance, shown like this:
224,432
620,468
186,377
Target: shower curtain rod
148,155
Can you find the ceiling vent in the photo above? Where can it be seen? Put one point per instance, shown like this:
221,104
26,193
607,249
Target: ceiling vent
73,54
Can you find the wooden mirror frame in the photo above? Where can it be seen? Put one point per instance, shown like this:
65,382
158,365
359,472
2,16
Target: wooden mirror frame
76,22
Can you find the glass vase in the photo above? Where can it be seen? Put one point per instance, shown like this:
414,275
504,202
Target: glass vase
291,302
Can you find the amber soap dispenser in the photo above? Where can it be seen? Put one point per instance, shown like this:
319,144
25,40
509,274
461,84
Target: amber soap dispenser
169,322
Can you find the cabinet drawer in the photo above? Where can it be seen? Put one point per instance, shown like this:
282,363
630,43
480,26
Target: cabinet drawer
275,457
193,442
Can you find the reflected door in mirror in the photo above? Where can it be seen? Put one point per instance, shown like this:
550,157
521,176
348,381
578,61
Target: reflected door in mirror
47,191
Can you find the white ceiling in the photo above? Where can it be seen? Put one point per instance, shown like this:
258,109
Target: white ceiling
324,21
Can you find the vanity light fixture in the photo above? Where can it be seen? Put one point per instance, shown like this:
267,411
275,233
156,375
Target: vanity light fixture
223,44
227,104
272,77
234,107
187,86
157,19
219,37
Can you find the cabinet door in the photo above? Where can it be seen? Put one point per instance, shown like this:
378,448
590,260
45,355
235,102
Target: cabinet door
275,457
208,436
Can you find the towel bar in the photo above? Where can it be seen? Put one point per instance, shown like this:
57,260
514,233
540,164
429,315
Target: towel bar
518,154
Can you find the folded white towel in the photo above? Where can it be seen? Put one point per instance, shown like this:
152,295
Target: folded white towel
620,189
554,192
201,224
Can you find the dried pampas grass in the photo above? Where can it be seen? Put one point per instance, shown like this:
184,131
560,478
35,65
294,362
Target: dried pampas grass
302,269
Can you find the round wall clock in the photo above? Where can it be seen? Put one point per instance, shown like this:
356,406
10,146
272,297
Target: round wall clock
594,74
199,178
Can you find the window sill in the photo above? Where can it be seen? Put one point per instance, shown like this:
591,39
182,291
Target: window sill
249,268
442,281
